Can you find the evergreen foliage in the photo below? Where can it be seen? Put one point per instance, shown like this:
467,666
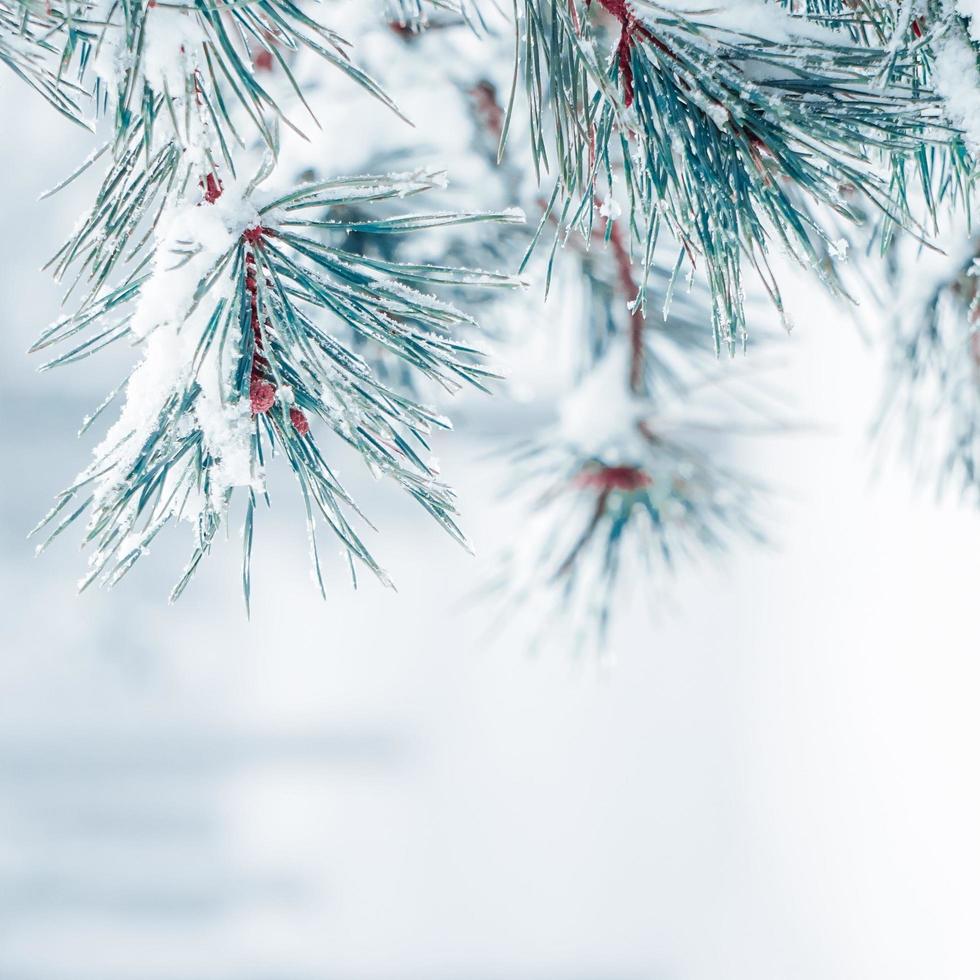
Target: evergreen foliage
665,156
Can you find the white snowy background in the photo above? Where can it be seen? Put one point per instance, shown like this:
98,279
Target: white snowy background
776,777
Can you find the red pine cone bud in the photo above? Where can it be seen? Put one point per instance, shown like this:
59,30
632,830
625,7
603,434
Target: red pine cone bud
212,188
262,395
300,422
606,478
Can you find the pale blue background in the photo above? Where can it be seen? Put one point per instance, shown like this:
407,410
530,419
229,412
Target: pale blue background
775,781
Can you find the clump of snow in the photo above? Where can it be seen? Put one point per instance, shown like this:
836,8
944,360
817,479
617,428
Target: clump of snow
227,431
970,11
172,318
610,208
191,240
173,36
957,80
600,415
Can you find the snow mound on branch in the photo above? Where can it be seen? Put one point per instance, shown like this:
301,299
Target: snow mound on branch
957,80
171,319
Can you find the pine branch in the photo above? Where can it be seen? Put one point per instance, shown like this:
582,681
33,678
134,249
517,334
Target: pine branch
715,129
241,356
237,300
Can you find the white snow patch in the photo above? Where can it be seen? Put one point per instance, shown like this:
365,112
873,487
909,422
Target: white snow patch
957,81
600,415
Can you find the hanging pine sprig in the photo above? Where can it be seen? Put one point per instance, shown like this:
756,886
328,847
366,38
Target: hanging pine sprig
241,357
716,124
615,500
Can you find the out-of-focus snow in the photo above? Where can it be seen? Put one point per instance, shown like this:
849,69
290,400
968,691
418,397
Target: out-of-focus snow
957,79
